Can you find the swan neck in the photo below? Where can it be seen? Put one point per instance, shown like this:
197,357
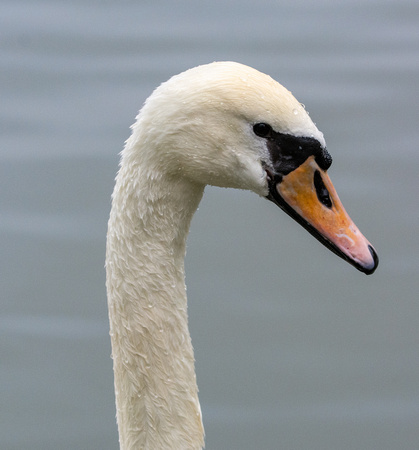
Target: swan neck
155,384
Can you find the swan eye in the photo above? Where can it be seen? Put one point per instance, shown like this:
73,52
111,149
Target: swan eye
262,129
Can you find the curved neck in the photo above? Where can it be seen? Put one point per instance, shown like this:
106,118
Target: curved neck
155,385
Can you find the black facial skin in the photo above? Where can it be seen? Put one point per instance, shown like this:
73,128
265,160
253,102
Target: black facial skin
287,153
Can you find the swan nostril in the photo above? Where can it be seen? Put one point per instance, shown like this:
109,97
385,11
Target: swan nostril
321,190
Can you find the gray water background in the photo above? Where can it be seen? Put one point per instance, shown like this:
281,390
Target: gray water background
295,349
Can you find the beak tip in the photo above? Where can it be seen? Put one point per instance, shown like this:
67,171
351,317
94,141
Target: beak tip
370,269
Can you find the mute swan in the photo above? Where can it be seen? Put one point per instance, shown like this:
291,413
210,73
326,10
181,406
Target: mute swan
223,124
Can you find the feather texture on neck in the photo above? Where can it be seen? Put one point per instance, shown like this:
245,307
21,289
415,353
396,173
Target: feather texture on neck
155,384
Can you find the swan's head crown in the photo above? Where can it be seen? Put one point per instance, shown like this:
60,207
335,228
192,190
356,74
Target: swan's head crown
208,115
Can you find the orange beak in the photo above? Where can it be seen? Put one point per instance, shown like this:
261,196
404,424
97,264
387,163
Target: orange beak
307,194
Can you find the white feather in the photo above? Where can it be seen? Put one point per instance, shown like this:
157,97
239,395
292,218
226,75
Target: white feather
195,129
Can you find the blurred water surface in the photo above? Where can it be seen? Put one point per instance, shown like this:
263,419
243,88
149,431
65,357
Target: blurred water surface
294,348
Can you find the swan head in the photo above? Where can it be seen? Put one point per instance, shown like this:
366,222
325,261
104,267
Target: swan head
228,125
